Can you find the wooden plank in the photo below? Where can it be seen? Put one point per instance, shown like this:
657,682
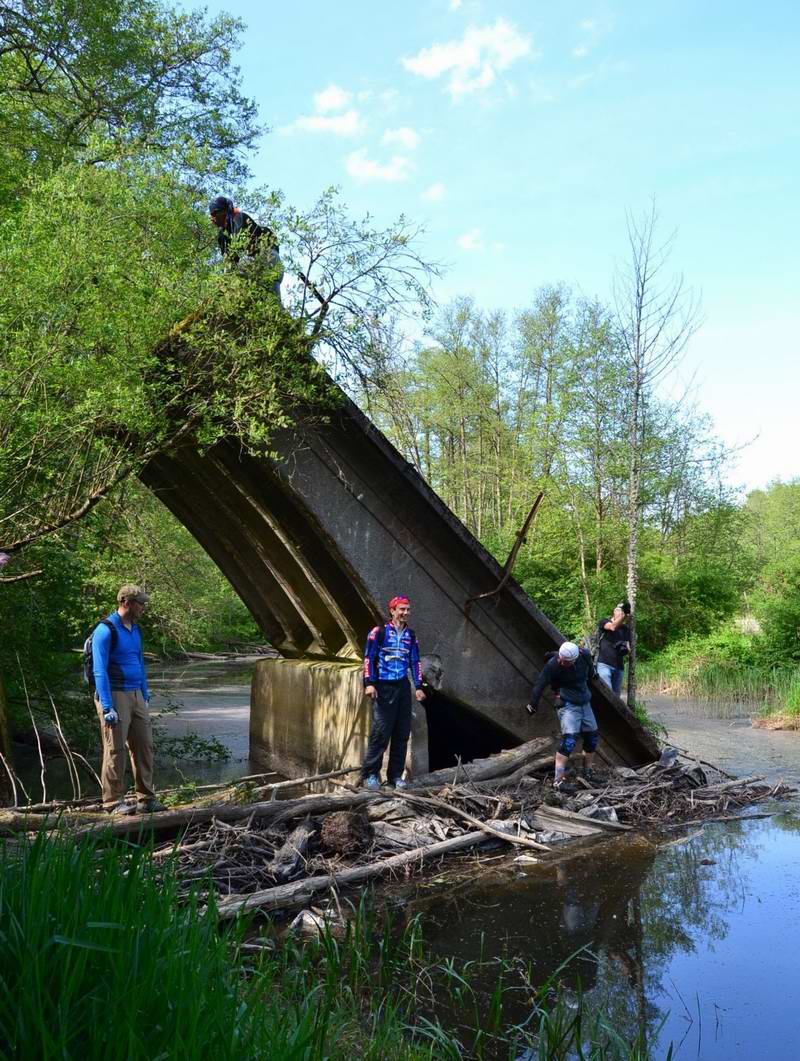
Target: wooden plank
567,821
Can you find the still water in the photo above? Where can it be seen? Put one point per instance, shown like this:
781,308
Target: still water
692,937
695,943
208,699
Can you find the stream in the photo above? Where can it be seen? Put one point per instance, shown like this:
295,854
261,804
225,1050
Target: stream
689,938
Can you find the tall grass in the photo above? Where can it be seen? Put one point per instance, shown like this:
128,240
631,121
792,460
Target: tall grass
99,960
735,683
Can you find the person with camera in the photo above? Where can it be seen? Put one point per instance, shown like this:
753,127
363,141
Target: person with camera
260,243
614,643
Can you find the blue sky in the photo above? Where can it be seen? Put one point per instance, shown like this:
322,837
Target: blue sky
519,133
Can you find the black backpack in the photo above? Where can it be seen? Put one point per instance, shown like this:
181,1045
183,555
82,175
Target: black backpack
88,662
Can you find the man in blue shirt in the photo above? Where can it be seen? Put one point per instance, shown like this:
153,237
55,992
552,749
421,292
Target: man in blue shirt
390,654
121,699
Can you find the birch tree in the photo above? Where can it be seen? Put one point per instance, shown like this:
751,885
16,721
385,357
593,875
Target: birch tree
656,315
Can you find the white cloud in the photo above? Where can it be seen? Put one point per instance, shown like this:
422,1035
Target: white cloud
471,241
363,168
592,30
347,124
435,193
474,61
328,100
331,98
404,137
455,5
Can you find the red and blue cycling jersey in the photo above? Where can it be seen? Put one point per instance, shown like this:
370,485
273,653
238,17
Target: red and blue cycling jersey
390,654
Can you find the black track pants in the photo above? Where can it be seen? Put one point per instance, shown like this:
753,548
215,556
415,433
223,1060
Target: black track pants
391,722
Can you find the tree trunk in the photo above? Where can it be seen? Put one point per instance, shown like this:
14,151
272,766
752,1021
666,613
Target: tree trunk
634,490
6,791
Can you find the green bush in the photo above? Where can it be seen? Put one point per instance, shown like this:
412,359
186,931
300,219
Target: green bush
777,604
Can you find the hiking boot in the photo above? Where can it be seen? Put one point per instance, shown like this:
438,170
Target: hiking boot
563,787
120,809
373,783
591,776
150,806
399,783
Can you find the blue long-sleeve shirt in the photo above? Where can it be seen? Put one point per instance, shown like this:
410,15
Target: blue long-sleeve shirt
388,658
122,668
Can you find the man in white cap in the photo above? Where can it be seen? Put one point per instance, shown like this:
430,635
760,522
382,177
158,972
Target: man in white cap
121,699
568,672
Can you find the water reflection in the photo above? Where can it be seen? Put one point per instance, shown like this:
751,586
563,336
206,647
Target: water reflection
693,942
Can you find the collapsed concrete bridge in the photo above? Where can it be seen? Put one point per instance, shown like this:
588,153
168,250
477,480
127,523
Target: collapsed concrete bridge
314,541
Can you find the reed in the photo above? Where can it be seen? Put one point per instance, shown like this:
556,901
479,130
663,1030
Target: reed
100,960
724,683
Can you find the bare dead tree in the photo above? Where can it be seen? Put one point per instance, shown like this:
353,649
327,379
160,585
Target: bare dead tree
656,315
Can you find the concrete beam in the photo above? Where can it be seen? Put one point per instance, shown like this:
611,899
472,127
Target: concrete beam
317,539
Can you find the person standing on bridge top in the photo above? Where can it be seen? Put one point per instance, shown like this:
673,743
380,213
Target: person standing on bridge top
260,243
569,672
391,653
121,699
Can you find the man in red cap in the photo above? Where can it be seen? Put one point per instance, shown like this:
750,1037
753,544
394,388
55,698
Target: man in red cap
391,653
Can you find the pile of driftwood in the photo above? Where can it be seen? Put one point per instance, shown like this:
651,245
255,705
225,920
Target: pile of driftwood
277,853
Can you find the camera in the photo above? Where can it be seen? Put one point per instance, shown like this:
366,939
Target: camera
626,607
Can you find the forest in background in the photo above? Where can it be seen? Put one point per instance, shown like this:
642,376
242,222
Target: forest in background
493,408
109,155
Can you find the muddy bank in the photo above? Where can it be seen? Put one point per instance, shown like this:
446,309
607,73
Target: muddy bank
732,742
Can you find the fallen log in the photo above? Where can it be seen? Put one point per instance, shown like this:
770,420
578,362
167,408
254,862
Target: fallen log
485,769
13,821
299,892
295,781
271,810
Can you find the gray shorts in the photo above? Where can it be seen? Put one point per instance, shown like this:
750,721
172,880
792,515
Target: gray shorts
577,718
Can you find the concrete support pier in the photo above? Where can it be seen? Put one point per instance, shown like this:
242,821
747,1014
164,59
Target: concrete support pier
309,717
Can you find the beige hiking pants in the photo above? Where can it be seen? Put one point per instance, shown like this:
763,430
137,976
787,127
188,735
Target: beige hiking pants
135,731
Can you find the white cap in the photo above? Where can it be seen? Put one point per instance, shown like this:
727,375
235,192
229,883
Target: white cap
569,650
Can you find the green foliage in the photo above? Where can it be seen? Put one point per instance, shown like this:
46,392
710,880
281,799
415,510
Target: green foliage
101,960
791,702
728,668
133,73
776,602
98,265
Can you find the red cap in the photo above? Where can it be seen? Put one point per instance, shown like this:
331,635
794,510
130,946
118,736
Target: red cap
397,600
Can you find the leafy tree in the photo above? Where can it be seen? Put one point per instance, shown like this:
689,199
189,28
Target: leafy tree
98,75
777,604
